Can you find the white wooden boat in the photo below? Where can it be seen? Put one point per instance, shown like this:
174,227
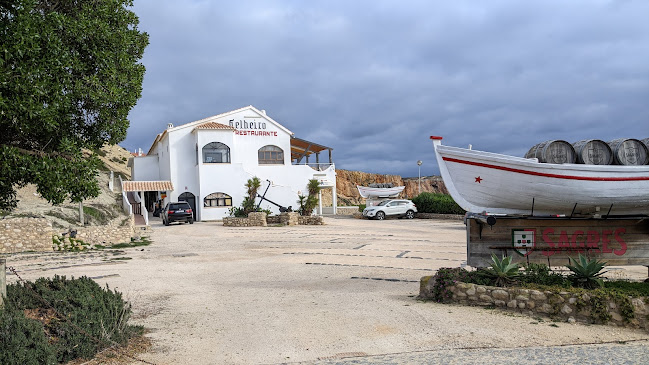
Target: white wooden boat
369,192
500,184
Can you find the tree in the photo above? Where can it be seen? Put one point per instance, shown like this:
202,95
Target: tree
69,75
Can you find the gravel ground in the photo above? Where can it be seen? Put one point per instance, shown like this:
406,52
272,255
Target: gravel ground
340,293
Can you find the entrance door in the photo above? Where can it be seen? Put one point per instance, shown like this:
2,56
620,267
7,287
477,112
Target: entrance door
191,199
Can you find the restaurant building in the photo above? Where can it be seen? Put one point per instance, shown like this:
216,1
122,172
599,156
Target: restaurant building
208,162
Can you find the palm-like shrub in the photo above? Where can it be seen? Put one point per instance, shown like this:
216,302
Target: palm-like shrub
502,271
248,205
308,203
586,273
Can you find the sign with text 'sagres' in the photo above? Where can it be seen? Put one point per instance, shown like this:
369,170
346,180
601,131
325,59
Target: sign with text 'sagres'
618,241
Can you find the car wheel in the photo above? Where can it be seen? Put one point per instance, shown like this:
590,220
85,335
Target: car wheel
410,214
380,216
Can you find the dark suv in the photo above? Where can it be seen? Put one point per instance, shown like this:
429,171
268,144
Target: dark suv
177,212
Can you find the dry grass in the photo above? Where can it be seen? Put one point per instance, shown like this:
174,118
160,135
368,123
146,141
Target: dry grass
119,355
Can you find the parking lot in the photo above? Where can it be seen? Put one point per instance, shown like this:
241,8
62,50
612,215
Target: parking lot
213,294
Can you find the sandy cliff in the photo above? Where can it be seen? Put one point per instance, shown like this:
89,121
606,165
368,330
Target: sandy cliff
346,182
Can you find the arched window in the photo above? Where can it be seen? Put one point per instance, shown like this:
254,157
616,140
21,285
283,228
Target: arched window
272,155
216,152
217,200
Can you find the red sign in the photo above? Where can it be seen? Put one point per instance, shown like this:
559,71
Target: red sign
604,241
256,133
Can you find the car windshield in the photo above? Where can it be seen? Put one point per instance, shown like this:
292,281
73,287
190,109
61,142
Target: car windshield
384,202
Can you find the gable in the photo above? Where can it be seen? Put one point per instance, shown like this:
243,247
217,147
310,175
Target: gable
246,118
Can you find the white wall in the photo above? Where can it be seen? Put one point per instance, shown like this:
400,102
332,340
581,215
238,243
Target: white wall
145,168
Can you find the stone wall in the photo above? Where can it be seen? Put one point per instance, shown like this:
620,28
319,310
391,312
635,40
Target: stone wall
570,307
25,234
346,210
254,219
314,220
116,232
289,218
261,220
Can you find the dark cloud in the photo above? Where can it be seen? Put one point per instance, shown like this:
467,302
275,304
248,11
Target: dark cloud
374,79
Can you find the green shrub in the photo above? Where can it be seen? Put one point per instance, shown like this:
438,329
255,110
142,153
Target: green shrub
96,214
309,202
635,289
587,273
23,340
541,274
100,312
436,203
445,277
502,271
361,207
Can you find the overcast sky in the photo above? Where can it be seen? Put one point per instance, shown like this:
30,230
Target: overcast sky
374,79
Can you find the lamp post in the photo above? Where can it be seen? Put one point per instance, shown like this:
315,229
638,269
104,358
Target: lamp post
419,164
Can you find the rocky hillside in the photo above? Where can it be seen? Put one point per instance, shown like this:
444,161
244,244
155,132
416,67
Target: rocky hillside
346,182
104,209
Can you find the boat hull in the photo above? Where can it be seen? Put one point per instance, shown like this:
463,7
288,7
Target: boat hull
369,193
500,184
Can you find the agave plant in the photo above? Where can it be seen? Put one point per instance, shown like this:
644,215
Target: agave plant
586,273
502,271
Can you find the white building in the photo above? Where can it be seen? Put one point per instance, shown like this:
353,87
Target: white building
207,163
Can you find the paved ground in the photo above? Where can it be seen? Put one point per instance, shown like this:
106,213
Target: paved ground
340,293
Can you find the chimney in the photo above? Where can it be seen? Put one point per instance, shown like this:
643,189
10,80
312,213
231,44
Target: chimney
139,152
169,125
263,111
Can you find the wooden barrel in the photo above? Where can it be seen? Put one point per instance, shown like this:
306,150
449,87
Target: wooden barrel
629,151
553,151
593,152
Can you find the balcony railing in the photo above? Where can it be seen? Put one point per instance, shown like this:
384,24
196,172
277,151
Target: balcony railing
316,166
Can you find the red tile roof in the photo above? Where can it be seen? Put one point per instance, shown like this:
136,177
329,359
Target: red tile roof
147,186
214,125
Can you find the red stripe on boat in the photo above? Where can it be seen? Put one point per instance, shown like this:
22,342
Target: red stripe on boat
527,172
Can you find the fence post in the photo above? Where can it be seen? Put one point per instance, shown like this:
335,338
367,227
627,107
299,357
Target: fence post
3,282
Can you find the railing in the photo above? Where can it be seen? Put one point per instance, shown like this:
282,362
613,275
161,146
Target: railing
137,205
125,203
111,180
145,213
316,166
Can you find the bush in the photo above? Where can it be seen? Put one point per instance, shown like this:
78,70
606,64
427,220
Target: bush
634,289
101,313
436,203
541,274
23,340
446,277
361,207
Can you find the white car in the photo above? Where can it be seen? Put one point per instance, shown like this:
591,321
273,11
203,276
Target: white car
393,207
